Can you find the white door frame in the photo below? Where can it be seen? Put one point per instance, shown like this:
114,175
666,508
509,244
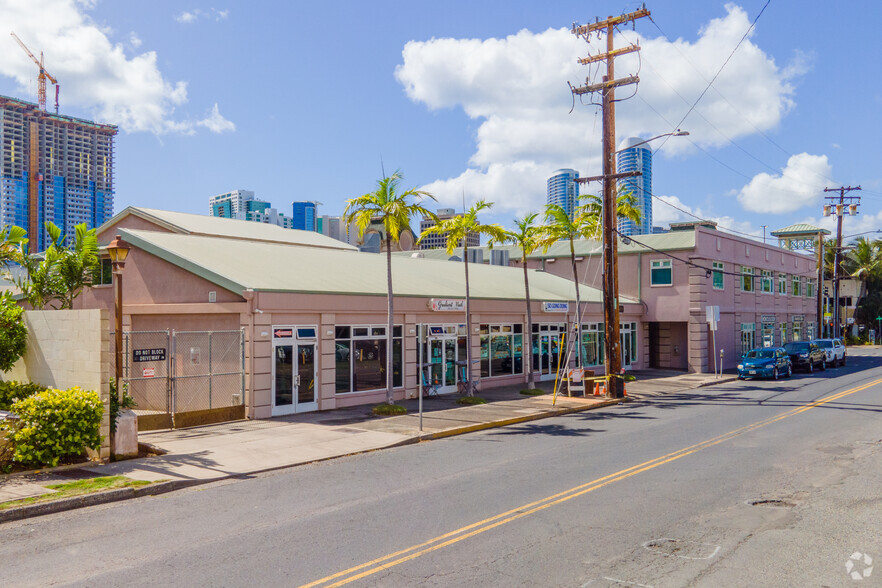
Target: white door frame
300,336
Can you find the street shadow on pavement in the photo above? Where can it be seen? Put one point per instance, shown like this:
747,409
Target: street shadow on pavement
553,430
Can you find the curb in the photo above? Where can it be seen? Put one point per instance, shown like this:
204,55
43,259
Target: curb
35,510
517,420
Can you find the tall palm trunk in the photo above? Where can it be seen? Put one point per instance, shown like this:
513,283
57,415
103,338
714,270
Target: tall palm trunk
470,389
527,342
578,346
390,399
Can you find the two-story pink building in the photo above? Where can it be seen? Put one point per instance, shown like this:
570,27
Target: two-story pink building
766,295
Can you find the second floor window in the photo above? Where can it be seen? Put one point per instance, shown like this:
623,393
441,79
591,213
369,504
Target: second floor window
660,273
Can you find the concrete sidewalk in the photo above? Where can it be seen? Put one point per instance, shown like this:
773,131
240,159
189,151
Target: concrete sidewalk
240,448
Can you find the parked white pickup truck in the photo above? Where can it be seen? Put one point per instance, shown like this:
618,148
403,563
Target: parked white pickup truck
834,349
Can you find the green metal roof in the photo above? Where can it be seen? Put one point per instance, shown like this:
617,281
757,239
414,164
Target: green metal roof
799,229
583,247
240,264
197,224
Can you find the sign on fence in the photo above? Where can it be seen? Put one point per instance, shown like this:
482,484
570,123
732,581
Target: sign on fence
148,354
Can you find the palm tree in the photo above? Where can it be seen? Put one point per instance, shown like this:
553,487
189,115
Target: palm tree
865,260
393,209
586,223
76,264
456,231
526,238
10,238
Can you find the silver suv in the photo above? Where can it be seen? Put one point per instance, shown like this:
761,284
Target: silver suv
834,349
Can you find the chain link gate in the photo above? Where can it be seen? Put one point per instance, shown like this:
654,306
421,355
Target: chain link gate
185,378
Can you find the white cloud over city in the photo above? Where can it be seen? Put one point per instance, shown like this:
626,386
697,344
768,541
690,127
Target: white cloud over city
801,183
96,72
516,89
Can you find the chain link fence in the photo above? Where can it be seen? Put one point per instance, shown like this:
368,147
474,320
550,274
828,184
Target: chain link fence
174,375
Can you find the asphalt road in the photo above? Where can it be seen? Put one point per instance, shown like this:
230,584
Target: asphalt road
652,493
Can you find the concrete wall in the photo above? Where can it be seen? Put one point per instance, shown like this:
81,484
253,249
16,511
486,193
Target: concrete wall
68,348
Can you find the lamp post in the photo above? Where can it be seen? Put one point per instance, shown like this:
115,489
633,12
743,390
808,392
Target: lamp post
118,253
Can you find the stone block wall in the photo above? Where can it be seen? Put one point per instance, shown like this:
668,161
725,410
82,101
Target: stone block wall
68,348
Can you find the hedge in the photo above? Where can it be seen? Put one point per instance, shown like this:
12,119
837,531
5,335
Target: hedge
55,424
12,391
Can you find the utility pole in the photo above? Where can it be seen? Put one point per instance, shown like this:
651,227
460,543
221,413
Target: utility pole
820,285
607,88
839,208
764,233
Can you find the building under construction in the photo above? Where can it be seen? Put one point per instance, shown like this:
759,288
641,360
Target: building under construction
53,168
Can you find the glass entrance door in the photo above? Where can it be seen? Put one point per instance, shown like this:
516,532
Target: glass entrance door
443,355
546,349
294,372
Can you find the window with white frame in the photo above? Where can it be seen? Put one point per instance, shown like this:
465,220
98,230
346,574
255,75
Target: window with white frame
782,284
502,350
810,289
795,285
746,279
748,337
718,275
660,272
766,284
360,357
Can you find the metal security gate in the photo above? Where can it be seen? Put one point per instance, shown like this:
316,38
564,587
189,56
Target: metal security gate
185,378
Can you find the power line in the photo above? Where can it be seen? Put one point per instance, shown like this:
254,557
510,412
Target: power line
716,75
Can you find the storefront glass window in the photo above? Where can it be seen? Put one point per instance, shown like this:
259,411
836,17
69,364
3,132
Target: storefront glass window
502,350
360,358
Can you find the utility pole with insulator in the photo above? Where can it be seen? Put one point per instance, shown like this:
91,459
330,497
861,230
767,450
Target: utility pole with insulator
839,208
607,89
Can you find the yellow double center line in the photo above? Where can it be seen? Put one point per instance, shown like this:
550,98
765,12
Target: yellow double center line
393,559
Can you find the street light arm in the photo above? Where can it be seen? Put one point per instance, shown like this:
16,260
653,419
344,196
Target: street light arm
677,133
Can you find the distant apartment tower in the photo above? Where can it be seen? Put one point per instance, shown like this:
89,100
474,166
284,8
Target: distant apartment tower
631,159
437,241
242,205
563,190
53,168
305,215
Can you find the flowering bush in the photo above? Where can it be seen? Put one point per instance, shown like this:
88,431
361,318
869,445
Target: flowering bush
12,391
54,424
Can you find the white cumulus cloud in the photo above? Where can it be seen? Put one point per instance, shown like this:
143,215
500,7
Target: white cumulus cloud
95,72
801,183
191,16
516,87
216,123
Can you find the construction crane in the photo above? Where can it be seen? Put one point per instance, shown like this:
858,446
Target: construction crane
41,78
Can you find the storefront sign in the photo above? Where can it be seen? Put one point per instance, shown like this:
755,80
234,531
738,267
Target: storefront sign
767,318
148,372
555,307
798,318
447,305
157,354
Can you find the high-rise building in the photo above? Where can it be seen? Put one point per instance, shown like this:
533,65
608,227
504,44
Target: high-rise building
563,190
636,158
53,168
242,205
305,215
437,241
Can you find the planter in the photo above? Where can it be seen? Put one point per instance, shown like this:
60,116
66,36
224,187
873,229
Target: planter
125,441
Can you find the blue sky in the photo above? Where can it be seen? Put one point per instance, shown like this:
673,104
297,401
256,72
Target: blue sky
300,101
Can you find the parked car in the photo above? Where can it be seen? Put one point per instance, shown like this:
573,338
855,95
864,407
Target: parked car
765,362
834,349
806,355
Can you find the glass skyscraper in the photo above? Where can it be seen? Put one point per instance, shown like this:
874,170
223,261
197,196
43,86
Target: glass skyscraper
636,159
563,190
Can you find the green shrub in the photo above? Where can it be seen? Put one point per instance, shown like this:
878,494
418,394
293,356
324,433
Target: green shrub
471,400
388,409
55,424
12,391
13,332
532,392
116,405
